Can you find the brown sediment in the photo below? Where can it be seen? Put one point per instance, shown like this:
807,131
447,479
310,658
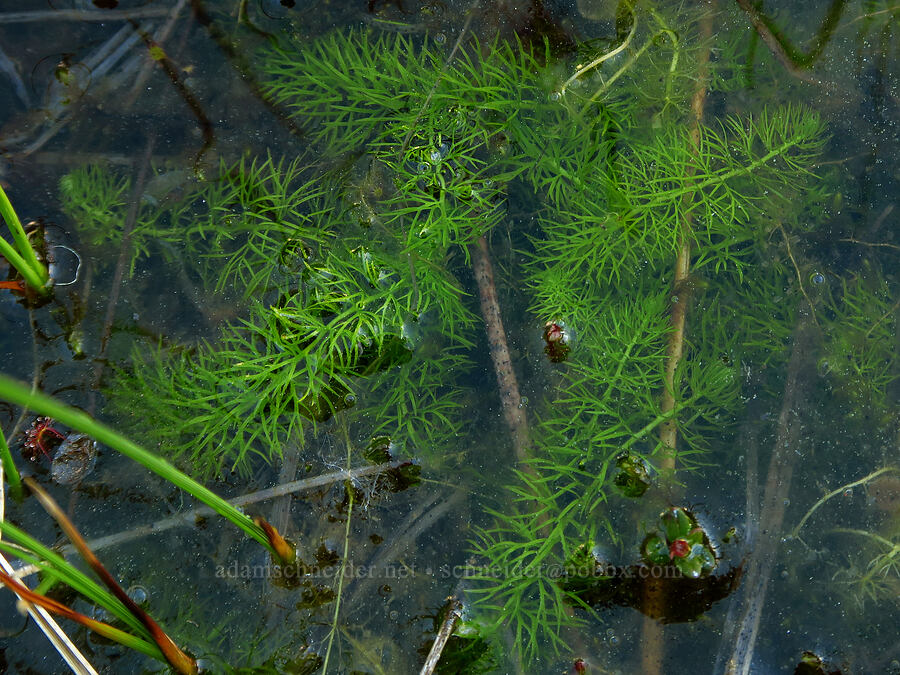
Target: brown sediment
510,399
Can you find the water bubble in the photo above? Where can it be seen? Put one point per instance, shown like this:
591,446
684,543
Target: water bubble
523,402
139,594
394,615
350,400
204,665
440,38
554,96
613,640
817,278
422,167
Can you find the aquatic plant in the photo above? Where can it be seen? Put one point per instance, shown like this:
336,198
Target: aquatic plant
19,394
23,257
359,286
141,632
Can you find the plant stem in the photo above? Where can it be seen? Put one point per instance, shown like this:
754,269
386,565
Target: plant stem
19,236
669,431
9,469
25,260
173,655
32,278
340,588
778,481
510,399
837,491
104,629
604,57
652,633
189,517
16,393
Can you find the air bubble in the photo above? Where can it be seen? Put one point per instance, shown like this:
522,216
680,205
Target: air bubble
817,278
554,96
440,38
138,594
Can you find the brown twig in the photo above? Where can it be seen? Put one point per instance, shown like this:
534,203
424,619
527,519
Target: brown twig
510,399
158,54
118,275
778,481
669,429
790,253
454,609
190,517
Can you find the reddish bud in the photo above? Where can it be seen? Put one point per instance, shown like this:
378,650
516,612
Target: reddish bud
679,548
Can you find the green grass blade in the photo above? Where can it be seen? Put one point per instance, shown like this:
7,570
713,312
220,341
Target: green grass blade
19,394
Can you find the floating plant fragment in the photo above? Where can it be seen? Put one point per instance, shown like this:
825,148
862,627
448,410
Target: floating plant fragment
378,451
813,664
682,542
677,597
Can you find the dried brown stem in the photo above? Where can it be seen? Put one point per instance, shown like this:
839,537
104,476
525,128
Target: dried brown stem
454,608
510,399
180,661
668,434
778,482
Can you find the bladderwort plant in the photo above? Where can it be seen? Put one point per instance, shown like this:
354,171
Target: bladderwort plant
356,274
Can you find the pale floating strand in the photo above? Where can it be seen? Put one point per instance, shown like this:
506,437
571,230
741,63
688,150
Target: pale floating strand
605,57
83,15
190,517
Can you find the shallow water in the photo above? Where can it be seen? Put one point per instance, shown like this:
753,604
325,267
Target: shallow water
89,95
